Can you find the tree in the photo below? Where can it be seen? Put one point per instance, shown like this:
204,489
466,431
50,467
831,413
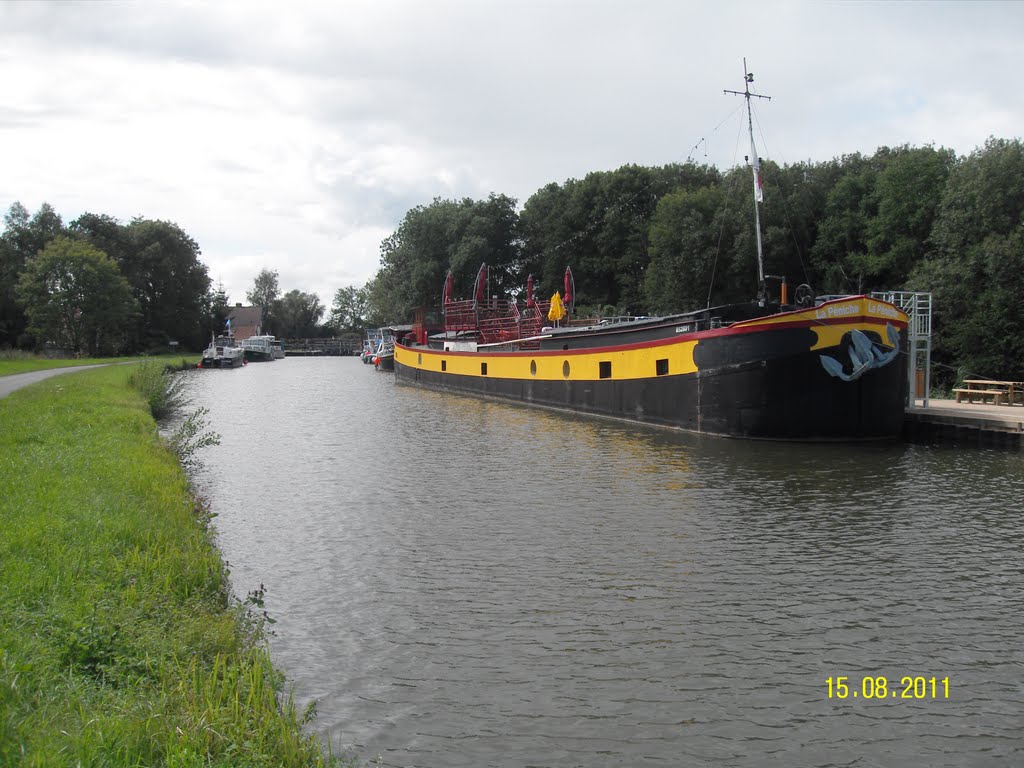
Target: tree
216,309
298,313
264,294
840,250
976,268
908,192
350,309
685,247
23,238
75,296
447,234
879,217
600,226
105,233
161,263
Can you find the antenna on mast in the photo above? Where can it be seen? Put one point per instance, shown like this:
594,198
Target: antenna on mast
748,78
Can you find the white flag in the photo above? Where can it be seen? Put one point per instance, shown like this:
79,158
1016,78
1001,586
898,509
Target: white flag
758,190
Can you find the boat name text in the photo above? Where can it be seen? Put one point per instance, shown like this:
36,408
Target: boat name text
841,311
885,310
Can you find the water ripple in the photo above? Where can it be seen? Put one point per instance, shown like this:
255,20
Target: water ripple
464,583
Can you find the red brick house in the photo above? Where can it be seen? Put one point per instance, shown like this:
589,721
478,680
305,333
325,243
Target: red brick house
245,321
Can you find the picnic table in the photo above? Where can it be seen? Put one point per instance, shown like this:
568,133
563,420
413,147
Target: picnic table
983,390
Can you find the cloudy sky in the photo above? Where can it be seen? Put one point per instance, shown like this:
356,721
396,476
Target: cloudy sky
295,135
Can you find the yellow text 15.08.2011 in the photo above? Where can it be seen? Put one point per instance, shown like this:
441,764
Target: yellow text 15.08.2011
870,687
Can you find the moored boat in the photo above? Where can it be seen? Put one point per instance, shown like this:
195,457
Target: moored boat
379,346
829,369
374,337
223,352
804,367
259,348
384,356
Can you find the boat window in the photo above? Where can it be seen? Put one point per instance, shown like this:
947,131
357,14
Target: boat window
483,369
419,359
444,365
533,367
661,367
565,347
565,369
605,369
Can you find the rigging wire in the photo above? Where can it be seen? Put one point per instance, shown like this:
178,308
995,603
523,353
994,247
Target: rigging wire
786,211
593,225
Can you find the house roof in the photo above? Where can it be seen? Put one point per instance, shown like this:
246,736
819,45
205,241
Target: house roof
246,316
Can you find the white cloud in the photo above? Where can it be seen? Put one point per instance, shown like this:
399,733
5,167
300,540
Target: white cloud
296,138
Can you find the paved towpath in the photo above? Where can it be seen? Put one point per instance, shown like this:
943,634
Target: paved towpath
16,381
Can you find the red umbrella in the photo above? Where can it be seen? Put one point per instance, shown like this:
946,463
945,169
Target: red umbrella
446,294
481,284
570,286
529,290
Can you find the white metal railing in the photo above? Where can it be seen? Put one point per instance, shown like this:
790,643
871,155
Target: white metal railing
918,306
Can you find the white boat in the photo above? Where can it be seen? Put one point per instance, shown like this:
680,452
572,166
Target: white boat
379,348
259,348
223,352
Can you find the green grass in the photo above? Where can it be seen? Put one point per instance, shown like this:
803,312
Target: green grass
119,644
21,362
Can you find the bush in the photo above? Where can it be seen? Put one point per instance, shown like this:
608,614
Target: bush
190,437
163,392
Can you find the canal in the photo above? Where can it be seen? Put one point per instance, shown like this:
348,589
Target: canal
465,583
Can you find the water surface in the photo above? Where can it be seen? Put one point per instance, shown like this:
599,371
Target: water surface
465,583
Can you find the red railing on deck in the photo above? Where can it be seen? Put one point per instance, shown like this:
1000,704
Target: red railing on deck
460,315
497,321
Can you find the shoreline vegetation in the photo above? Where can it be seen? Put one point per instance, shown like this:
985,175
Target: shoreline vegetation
120,643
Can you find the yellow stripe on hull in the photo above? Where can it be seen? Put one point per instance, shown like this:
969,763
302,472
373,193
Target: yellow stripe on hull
550,366
627,362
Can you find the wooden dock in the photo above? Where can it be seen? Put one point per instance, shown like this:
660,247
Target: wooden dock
948,422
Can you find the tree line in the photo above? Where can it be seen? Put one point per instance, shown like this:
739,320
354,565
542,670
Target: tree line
293,315
100,287
640,240
97,287
651,240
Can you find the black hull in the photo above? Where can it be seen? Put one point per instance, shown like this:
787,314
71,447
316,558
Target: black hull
756,403
237,362
764,380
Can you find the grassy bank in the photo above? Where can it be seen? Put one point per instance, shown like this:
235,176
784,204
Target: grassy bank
119,645
19,362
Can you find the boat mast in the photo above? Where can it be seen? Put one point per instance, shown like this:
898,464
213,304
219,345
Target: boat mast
748,78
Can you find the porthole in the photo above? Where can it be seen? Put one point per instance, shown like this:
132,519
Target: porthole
661,367
533,367
604,369
565,369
